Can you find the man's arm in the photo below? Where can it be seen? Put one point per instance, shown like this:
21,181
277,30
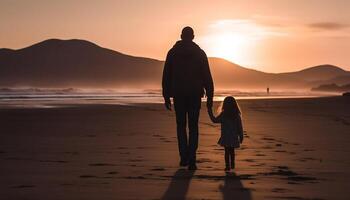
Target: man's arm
213,118
240,128
166,82
208,81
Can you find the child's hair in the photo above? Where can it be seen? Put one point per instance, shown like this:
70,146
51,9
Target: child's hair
230,107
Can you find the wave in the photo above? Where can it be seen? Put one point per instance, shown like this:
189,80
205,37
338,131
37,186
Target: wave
127,95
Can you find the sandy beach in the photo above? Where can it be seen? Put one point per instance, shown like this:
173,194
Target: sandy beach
294,149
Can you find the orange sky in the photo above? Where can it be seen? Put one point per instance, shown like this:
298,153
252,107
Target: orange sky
267,35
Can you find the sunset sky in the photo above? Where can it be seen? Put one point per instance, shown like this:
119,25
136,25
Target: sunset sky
267,35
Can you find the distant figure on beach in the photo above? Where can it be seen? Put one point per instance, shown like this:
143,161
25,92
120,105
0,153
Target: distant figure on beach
268,90
231,129
186,78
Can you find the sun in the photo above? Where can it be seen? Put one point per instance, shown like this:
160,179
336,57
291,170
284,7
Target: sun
233,47
234,40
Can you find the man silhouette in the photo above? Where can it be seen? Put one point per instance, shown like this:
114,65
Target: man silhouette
186,75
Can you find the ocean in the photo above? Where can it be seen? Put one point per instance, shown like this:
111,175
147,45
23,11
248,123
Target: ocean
34,97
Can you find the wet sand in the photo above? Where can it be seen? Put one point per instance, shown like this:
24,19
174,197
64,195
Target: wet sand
294,149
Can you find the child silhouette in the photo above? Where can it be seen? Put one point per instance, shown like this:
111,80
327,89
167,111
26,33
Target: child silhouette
231,129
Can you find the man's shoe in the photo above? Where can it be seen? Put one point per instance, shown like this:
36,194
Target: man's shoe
183,163
192,167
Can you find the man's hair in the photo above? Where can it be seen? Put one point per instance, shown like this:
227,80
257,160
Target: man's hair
187,33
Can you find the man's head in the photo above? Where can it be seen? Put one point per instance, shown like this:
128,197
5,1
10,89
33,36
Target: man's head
187,34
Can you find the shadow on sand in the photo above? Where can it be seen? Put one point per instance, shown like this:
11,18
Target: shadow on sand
179,185
231,189
234,189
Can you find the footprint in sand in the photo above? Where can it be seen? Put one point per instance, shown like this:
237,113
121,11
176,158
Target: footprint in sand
71,153
90,135
143,147
267,147
341,120
135,160
306,150
166,140
101,164
260,154
87,176
306,159
280,151
268,139
53,161
112,172
134,177
205,160
302,179
66,184
158,169
258,165
23,186
289,175
280,190
93,176
156,135
249,160
122,147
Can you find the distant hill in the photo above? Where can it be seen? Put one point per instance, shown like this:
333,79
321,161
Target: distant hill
332,88
320,72
340,80
74,63
80,63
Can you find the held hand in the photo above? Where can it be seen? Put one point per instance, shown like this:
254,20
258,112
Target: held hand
167,103
209,102
211,115
210,111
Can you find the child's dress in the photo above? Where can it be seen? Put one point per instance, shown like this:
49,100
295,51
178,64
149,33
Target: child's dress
231,131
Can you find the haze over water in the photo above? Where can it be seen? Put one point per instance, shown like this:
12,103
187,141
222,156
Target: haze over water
49,97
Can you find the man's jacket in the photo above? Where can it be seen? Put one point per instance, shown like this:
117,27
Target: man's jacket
186,71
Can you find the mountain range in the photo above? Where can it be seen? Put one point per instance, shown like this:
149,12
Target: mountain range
80,63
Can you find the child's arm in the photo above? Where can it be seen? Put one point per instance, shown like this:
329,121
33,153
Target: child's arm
212,117
240,128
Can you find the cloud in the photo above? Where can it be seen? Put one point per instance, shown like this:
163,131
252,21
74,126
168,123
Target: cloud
247,27
328,26
271,20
